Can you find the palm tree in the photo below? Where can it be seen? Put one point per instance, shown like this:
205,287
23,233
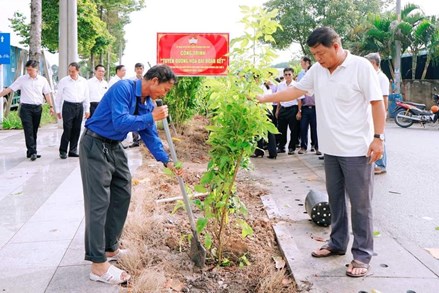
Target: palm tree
429,34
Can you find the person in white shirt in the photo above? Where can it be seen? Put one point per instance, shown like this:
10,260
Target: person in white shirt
375,60
287,116
350,124
72,97
121,71
97,87
33,88
138,69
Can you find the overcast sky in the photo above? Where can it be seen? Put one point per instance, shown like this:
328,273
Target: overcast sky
175,16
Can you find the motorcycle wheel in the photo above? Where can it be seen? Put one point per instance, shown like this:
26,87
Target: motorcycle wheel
402,121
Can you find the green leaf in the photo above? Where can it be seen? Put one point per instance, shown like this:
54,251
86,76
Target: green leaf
178,165
168,172
200,188
376,233
437,228
201,224
208,241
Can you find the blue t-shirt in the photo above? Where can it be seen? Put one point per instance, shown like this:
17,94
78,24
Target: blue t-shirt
114,117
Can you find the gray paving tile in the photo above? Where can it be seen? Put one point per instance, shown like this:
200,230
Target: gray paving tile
74,279
30,280
46,231
21,256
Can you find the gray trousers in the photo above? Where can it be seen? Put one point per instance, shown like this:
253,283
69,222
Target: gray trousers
351,176
106,181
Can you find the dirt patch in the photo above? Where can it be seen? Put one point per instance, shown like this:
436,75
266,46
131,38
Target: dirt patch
156,233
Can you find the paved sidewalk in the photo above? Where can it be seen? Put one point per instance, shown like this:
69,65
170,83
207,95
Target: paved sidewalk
398,266
41,226
41,218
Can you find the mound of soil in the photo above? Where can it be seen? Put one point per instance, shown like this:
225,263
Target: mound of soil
157,230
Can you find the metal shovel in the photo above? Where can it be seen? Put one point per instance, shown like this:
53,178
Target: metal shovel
198,252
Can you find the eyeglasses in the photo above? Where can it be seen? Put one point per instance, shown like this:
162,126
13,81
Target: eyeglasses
288,74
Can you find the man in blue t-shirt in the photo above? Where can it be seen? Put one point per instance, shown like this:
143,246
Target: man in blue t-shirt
127,106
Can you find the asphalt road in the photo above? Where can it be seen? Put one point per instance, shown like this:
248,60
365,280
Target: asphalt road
406,198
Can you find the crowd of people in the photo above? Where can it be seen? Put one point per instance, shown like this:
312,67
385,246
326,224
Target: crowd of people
340,100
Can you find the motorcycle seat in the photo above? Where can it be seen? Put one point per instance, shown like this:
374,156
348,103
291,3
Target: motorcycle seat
420,106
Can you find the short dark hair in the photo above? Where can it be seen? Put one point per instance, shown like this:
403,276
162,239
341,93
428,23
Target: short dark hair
138,65
288,69
324,36
163,73
119,67
32,63
75,64
99,65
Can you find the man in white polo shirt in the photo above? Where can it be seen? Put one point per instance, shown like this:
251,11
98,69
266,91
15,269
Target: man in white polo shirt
72,97
97,87
375,60
350,125
286,116
33,88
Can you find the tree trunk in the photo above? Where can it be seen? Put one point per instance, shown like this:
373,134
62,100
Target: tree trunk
427,63
35,30
414,64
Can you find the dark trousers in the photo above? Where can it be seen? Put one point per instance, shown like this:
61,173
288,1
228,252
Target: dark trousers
309,119
106,182
72,118
271,144
350,177
287,118
274,120
30,116
93,106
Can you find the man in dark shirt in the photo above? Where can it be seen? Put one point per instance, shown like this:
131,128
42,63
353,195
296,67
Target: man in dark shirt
127,106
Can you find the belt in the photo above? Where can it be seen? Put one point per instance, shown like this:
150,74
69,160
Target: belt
101,138
72,103
309,107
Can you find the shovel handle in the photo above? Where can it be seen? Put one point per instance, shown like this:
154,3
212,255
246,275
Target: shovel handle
180,180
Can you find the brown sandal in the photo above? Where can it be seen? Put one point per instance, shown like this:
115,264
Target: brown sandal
330,252
358,265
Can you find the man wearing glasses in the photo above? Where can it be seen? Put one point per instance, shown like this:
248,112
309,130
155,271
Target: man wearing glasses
286,115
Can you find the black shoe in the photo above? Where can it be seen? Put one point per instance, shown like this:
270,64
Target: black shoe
257,155
33,157
321,157
63,155
134,144
291,151
280,151
73,155
29,156
318,153
272,157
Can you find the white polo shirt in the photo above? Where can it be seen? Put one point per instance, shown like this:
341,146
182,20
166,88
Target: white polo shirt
282,86
384,83
96,89
73,91
344,115
32,89
113,80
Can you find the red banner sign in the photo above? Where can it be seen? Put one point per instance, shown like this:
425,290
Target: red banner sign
194,54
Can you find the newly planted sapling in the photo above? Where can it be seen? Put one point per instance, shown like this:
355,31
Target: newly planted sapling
237,123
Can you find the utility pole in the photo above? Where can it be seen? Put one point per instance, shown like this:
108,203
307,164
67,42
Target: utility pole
68,36
397,63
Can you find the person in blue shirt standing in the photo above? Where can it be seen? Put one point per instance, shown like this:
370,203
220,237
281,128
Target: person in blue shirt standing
127,106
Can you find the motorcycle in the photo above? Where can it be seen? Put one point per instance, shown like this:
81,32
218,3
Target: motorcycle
407,113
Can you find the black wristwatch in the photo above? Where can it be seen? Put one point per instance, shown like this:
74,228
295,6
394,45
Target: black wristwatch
379,136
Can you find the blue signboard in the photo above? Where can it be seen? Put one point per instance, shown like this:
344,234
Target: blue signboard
5,48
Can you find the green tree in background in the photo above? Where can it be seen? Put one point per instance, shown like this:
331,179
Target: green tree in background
300,17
